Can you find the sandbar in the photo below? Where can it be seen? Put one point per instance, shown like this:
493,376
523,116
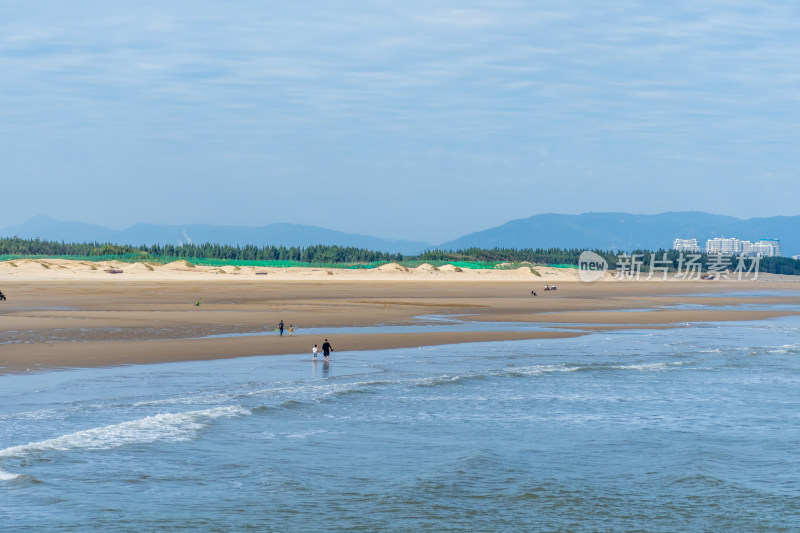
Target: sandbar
77,316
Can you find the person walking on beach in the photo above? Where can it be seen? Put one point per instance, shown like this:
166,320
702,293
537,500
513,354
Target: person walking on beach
291,330
280,327
2,296
314,351
326,349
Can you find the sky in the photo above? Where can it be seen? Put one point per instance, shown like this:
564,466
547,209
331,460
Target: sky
421,120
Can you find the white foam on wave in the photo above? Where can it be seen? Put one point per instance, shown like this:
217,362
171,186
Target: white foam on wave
171,427
305,434
187,400
313,392
785,348
7,476
41,414
650,366
541,369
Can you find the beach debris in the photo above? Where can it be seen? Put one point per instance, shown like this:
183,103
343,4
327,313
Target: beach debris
114,270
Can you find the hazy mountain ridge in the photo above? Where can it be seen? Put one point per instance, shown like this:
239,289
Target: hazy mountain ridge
607,231
277,234
625,231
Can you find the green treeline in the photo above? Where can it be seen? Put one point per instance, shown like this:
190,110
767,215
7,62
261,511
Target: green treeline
17,246
308,254
346,255
539,256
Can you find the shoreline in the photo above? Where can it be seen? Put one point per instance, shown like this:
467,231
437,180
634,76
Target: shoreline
104,354
99,319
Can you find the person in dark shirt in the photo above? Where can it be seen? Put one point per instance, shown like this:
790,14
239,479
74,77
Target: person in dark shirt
280,327
326,349
2,296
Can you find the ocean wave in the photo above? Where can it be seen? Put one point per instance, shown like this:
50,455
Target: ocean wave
39,414
314,390
540,369
447,380
7,476
536,370
292,404
172,427
649,367
784,349
196,399
305,434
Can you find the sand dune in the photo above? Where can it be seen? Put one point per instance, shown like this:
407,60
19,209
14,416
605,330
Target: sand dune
59,269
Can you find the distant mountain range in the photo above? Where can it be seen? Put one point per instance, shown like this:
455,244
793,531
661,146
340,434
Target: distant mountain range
624,231
606,231
46,228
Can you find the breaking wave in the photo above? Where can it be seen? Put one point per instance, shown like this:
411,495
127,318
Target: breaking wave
172,427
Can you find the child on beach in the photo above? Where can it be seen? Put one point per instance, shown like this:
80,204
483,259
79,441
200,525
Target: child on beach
314,351
291,330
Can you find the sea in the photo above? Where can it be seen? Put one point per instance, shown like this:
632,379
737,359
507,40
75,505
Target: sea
694,428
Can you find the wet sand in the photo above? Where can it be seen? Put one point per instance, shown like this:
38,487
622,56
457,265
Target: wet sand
111,321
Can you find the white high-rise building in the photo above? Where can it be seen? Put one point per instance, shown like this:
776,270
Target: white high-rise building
686,245
733,246
724,246
746,248
775,244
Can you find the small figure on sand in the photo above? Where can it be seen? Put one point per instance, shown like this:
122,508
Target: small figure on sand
326,349
553,288
291,330
315,351
533,293
546,288
280,327
2,296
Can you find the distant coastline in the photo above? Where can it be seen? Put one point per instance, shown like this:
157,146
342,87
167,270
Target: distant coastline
598,230
347,257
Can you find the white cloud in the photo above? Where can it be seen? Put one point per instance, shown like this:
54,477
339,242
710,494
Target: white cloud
486,80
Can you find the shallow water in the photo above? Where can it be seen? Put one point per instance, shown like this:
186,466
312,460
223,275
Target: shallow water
662,430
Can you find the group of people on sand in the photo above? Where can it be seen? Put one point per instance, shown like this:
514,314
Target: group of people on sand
326,350
291,329
546,288
326,346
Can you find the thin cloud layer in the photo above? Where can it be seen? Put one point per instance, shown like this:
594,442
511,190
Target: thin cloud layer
472,113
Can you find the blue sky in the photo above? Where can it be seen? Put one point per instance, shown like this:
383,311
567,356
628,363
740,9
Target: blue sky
419,120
